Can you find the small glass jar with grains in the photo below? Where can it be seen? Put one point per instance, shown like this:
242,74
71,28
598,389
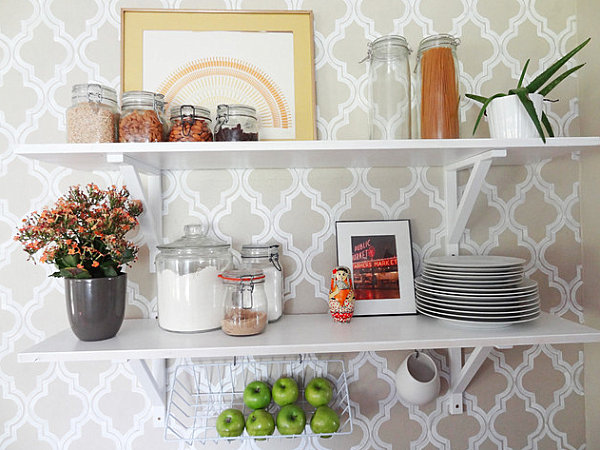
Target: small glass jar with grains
94,114
236,123
141,117
190,124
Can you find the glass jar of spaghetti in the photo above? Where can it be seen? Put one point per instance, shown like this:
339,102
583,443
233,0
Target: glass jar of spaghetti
389,88
437,88
190,124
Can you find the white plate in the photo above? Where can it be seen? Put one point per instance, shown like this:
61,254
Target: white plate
472,273
482,283
527,285
477,311
477,324
472,318
474,296
481,302
474,262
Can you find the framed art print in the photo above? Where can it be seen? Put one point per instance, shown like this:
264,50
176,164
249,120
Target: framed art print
379,255
264,59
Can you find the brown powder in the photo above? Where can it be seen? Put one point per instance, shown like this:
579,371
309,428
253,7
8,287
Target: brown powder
244,322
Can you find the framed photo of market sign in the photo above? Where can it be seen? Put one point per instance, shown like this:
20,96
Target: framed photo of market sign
379,255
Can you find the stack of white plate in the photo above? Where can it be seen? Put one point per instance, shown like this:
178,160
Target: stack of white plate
477,290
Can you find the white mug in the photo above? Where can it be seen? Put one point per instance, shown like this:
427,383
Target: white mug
418,379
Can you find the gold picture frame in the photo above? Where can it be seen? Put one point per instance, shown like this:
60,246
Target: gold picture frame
291,30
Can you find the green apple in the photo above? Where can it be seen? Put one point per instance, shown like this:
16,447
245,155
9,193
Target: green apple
324,420
260,423
291,420
318,391
285,391
230,423
257,395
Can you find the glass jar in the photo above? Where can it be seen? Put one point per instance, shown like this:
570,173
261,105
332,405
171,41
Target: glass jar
389,88
245,302
437,87
159,102
190,294
190,124
236,123
266,259
142,117
94,114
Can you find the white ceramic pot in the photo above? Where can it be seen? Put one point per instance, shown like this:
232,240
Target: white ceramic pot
508,118
418,379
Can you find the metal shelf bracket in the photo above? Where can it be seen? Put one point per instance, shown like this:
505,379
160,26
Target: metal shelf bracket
461,375
153,378
457,213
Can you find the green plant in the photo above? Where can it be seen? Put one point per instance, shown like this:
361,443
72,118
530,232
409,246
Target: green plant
540,85
83,233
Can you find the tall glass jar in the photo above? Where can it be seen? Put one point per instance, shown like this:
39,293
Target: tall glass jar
236,123
190,294
190,124
142,117
94,114
266,259
437,87
389,88
245,302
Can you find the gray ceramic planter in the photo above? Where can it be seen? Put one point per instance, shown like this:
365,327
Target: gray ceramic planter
96,306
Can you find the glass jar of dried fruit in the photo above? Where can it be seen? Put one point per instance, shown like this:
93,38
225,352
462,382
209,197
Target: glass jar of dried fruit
141,119
94,114
190,124
236,123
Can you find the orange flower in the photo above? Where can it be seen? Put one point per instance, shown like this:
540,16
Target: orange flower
71,251
95,264
80,266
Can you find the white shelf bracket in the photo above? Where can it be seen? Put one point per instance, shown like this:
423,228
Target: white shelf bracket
153,378
461,375
457,213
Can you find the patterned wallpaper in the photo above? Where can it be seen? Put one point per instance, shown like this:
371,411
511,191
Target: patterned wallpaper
525,397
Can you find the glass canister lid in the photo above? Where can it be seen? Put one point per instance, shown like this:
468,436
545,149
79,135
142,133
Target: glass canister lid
235,110
243,276
195,240
93,92
189,111
437,40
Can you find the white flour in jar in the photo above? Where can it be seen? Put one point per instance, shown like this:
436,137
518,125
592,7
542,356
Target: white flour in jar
191,302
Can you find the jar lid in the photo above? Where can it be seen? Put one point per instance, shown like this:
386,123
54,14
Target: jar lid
142,98
243,276
259,250
195,240
438,40
93,92
189,111
236,110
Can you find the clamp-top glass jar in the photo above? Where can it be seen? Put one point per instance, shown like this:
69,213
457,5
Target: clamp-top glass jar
389,88
142,117
190,124
266,259
245,302
236,123
437,88
94,114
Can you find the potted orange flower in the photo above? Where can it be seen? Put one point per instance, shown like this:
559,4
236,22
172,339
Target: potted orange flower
83,235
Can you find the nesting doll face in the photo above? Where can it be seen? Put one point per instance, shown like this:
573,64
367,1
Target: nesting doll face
341,274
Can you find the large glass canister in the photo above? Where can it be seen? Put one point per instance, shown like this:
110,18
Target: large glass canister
94,114
142,117
266,259
245,302
437,81
389,88
236,123
190,293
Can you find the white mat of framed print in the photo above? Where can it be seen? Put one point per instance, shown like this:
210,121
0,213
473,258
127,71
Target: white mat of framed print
379,254
263,59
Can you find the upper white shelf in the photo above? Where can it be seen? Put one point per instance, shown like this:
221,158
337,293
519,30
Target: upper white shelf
306,333
301,154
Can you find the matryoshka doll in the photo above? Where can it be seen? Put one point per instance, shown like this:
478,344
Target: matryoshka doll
341,295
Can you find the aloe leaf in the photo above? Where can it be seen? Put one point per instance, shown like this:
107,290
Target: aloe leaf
542,78
550,86
528,104
547,126
523,73
483,107
477,98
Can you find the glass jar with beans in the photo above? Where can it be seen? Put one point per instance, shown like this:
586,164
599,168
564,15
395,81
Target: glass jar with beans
190,124
236,123
94,114
141,119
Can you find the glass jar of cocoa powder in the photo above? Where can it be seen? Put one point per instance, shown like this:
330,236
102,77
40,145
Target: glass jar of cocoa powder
141,117
190,124
245,302
236,123
94,114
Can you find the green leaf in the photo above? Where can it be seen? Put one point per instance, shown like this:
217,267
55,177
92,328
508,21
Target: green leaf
542,78
83,274
558,79
71,260
523,74
483,107
528,104
477,98
108,270
547,125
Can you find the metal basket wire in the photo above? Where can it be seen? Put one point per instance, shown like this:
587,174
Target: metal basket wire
201,391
